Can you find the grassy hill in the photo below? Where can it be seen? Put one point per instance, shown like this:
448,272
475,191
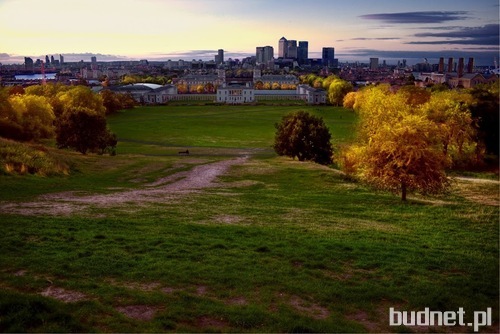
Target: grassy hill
127,244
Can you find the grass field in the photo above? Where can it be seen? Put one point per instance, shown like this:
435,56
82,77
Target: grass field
127,244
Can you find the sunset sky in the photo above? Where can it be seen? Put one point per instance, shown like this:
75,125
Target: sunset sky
195,29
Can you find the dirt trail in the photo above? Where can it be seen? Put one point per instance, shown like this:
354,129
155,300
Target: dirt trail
67,203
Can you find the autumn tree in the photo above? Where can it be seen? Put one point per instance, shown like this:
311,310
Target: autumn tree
33,115
305,137
403,157
349,100
337,90
84,130
398,148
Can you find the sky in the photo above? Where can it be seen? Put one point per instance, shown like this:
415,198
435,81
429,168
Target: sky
195,29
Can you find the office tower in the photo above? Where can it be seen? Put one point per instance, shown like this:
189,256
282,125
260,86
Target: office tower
470,65
328,57
219,58
47,60
61,59
264,54
93,59
292,49
283,48
52,60
28,64
303,52
373,64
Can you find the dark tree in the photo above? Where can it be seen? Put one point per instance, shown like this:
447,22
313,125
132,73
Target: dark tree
83,130
305,137
485,112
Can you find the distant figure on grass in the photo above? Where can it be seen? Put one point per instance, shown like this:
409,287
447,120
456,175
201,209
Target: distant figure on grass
186,152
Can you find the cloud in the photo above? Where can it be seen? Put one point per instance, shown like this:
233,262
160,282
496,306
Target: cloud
374,39
485,35
482,57
417,17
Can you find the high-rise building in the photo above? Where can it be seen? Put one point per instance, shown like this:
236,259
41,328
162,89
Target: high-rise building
328,57
303,52
292,49
283,48
93,59
373,64
264,54
219,58
28,64
47,60
61,59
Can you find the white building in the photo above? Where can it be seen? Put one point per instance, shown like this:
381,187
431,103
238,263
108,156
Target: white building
311,95
235,94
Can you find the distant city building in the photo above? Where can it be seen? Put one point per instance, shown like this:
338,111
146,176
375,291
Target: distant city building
28,64
264,54
219,58
47,60
328,56
373,64
93,59
52,60
61,59
303,52
292,49
283,48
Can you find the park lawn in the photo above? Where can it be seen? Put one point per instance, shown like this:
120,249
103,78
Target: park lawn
282,246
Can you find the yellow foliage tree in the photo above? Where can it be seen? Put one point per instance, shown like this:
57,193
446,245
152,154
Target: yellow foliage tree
401,157
34,116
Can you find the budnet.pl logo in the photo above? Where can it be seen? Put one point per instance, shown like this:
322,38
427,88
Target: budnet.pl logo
439,318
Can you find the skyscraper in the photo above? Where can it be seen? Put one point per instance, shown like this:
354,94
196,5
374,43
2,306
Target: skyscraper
283,48
292,49
61,59
264,54
47,60
303,52
219,58
328,56
373,64
28,64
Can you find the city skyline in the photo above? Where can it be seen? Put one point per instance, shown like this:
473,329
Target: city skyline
196,29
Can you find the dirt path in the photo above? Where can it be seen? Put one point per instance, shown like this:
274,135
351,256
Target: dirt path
167,188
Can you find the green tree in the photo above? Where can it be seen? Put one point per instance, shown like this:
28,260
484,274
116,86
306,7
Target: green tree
84,130
305,137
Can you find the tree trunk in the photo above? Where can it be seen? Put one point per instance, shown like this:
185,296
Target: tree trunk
403,191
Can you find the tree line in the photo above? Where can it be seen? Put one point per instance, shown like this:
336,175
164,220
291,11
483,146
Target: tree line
406,138
74,115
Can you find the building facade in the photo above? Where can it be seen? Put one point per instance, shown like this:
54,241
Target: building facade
328,56
235,94
264,54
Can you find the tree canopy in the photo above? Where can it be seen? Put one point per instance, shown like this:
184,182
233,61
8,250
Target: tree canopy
305,137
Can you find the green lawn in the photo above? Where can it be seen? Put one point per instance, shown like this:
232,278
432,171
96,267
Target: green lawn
278,246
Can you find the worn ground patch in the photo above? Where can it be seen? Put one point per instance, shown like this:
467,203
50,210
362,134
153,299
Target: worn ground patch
66,296
164,189
139,312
